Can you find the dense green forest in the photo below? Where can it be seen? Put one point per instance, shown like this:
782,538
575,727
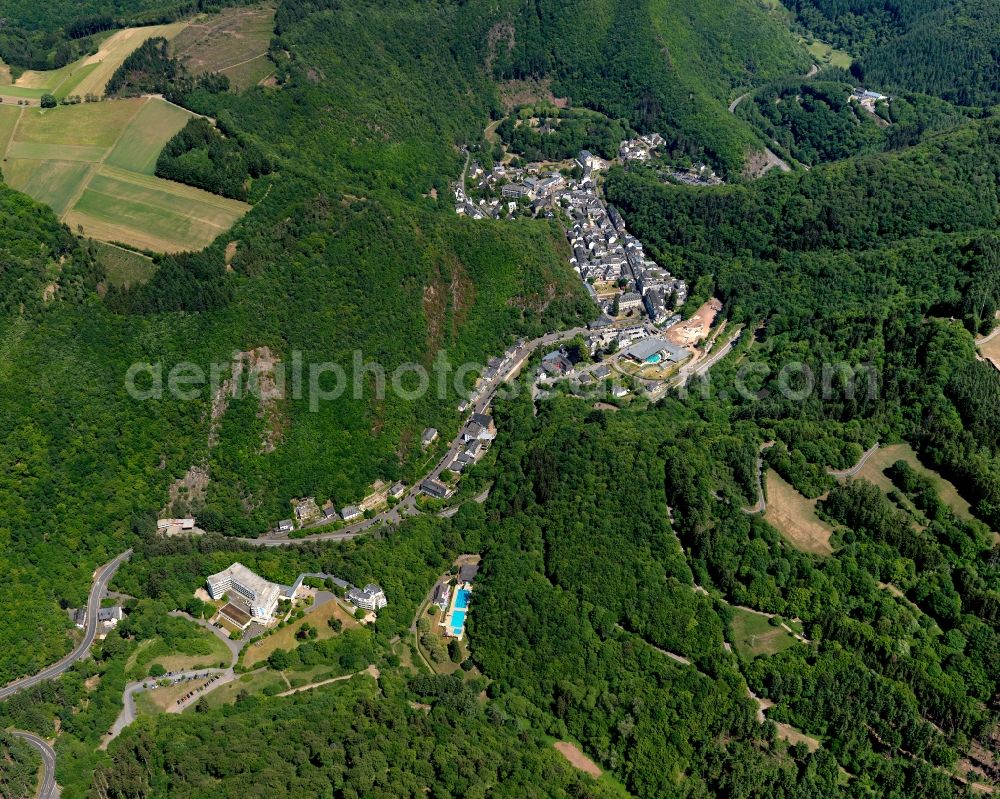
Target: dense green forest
816,121
617,551
349,252
551,134
19,772
941,47
661,65
202,156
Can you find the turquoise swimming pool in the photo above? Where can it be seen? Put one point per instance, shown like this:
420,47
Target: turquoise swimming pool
456,624
655,358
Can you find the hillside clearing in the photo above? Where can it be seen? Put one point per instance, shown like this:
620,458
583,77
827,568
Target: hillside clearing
233,42
577,758
123,268
874,472
90,74
795,517
753,634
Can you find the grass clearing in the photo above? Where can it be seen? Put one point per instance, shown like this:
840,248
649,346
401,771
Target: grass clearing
827,55
84,125
122,267
234,42
874,472
159,700
259,651
753,634
795,516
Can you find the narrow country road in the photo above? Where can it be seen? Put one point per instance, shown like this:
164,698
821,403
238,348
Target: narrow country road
44,748
735,103
857,467
101,579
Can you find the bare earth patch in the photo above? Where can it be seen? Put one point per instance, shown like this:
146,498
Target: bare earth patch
795,516
528,92
577,758
186,493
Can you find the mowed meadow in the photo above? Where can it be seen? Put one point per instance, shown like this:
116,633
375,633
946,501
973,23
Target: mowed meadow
94,165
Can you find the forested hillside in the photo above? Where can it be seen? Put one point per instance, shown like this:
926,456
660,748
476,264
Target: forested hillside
350,252
661,65
52,34
816,121
621,546
942,47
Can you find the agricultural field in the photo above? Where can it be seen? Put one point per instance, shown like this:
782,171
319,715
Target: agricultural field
233,42
93,164
874,472
9,115
89,75
753,634
795,517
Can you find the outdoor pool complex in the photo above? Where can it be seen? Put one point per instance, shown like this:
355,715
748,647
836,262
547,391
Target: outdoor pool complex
456,625
654,358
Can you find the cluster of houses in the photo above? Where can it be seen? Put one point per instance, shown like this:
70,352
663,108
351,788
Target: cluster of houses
640,149
512,185
697,175
604,252
477,436
107,617
307,511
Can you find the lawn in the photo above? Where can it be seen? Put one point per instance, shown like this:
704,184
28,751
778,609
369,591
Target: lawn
874,472
233,42
754,635
122,267
285,638
140,143
795,516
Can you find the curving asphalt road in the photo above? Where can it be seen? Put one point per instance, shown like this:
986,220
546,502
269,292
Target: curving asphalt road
857,467
48,789
97,591
407,506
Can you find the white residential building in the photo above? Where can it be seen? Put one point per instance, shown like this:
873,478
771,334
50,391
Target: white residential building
371,597
247,588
